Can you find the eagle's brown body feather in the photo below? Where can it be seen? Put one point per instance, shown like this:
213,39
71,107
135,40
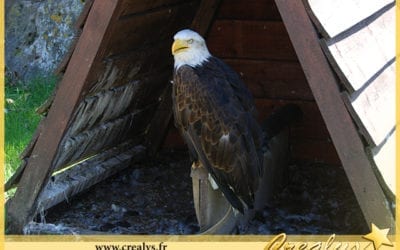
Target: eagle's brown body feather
216,115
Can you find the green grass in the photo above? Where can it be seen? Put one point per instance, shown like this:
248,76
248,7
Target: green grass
21,119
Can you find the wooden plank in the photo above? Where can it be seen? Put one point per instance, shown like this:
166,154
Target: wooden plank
250,39
74,180
159,125
137,65
385,160
312,125
103,107
335,16
358,57
13,181
67,56
22,207
102,137
150,27
15,178
373,108
323,83
151,89
80,22
273,79
173,139
204,16
248,10
130,7
309,150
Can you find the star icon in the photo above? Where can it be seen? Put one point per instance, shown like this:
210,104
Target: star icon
378,237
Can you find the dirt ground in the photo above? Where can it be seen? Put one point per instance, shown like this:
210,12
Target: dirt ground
155,197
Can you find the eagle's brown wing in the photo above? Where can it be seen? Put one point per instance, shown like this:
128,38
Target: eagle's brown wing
215,114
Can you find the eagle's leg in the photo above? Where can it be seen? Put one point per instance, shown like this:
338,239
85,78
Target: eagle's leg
214,213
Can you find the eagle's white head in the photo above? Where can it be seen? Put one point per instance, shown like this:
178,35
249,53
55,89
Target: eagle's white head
189,48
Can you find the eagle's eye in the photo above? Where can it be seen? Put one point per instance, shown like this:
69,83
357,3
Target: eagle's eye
190,41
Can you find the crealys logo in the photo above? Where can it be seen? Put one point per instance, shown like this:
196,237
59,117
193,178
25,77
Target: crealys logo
374,241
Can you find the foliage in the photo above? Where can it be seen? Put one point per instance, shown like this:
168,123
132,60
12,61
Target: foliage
21,119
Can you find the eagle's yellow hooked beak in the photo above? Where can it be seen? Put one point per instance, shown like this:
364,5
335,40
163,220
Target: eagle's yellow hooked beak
178,46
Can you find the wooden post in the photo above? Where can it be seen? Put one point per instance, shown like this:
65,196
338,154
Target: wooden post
340,125
22,207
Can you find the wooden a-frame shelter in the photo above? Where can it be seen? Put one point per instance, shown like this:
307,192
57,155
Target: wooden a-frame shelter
112,106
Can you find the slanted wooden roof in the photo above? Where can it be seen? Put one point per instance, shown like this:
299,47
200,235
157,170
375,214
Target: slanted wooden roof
358,42
113,102
363,56
110,89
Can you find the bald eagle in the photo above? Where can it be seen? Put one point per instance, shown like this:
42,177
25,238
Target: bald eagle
216,116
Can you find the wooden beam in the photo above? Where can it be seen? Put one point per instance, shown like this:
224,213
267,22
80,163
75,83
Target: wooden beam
80,22
159,125
15,178
345,137
204,16
146,28
81,177
23,206
245,39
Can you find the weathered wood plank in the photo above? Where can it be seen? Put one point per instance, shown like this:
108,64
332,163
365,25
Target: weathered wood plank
147,29
84,175
323,83
102,107
173,139
22,207
248,10
150,89
385,160
15,178
312,125
102,137
13,181
90,142
133,66
250,39
358,57
80,22
374,107
130,7
159,125
334,17
204,15
312,150
67,56
273,79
